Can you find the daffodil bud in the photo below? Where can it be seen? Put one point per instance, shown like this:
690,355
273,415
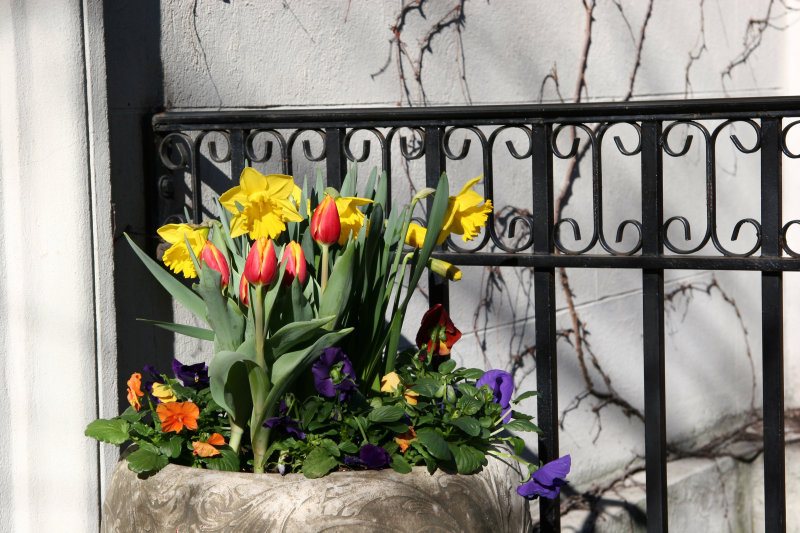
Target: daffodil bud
325,224
444,269
261,267
213,258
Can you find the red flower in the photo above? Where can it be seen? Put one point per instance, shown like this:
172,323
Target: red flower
295,261
213,258
244,288
261,267
435,322
325,223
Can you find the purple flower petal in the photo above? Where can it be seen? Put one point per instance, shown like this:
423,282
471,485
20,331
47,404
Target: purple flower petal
324,382
374,457
288,425
194,376
547,480
502,385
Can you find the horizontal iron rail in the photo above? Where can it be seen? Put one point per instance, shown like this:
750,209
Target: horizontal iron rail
487,114
667,262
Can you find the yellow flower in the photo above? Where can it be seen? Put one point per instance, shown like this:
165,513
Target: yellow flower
389,383
465,216
177,256
350,217
268,202
164,393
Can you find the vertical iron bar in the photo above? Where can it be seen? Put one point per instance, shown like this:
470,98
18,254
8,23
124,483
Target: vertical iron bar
772,329
653,330
438,290
544,290
237,153
334,156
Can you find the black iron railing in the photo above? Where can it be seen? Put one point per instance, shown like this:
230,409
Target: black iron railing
191,143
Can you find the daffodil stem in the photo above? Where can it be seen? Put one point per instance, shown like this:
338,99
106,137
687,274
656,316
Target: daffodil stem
324,267
258,308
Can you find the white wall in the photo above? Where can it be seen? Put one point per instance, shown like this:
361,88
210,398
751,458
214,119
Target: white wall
56,341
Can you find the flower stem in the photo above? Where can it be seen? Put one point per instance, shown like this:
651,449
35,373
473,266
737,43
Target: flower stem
324,267
236,435
258,308
364,435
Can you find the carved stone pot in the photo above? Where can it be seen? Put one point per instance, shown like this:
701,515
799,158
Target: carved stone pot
186,499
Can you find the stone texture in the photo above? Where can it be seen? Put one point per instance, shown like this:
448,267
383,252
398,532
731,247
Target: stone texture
186,499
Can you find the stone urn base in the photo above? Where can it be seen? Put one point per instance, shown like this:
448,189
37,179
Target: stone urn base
182,499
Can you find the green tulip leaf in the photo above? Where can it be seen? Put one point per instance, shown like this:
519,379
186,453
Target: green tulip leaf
224,316
296,333
229,384
337,293
180,292
183,329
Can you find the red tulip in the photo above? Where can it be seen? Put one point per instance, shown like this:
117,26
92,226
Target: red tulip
213,258
244,288
325,223
295,261
437,319
261,267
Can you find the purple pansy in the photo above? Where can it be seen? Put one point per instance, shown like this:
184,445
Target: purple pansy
369,456
289,425
333,372
150,375
548,480
194,376
502,385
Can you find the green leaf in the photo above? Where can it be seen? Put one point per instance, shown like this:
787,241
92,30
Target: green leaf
337,293
348,447
434,443
467,390
471,373
426,387
295,333
178,290
183,329
430,461
468,459
526,395
114,431
228,461
318,463
230,386
467,424
522,425
386,413
290,364
301,310
519,445
331,447
143,460
172,447
447,367
132,415
469,405
224,315
399,464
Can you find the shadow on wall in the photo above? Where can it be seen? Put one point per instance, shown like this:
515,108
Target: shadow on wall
135,92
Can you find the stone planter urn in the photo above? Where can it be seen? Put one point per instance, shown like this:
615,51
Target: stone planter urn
182,499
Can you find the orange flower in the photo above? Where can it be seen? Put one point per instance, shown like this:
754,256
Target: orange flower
206,448
175,415
405,439
389,383
135,391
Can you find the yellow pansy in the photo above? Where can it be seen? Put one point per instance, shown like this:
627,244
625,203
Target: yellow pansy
177,256
350,217
389,383
466,215
164,393
268,202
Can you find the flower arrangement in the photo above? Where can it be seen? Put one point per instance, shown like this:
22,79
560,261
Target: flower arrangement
304,292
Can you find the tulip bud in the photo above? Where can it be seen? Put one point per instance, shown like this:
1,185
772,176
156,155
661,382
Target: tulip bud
261,267
295,261
325,223
213,258
244,288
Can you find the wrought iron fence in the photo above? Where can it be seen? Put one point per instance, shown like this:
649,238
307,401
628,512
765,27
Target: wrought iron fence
532,236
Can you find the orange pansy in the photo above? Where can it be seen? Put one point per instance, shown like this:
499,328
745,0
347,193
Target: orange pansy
205,448
175,415
135,391
405,439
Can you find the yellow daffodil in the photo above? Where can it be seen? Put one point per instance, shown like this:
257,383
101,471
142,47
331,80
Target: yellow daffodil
350,217
466,215
177,256
164,393
268,202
